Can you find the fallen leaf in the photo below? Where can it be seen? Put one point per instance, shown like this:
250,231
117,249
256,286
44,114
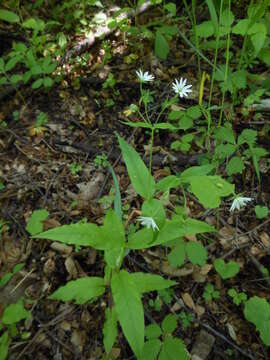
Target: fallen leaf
188,300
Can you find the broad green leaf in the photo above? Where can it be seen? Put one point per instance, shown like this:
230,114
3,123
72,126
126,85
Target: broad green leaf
194,112
225,134
195,171
258,35
205,29
138,124
241,27
151,349
113,230
173,348
169,323
196,253
150,282
186,122
141,179
37,84
165,126
226,270
261,211
210,189
114,257
193,227
9,16
35,223
80,234
167,183
235,166
227,18
14,313
247,136
5,279
141,239
12,63
178,254
30,23
264,55
129,309
81,290
153,208
162,48
47,82
152,331
222,151
257,311
4,345
15,78
109,329
213,15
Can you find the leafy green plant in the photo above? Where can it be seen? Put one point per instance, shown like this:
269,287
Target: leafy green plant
226,270
126,288
261,211
186,319
75,168
210,293
168,347
5,279
35,223
257,311
237,297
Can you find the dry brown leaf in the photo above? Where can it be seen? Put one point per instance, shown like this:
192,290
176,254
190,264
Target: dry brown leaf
202,346
78,340
71,268
188,301
62,248
184,271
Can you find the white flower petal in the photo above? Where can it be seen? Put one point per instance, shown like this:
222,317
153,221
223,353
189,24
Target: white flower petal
180,87
239,202
148,222
144,77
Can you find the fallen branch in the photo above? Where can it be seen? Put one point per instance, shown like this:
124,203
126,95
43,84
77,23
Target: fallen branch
103,31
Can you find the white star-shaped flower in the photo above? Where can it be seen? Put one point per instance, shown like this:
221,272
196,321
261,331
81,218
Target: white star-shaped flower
148,222
239,202
144,76
180,87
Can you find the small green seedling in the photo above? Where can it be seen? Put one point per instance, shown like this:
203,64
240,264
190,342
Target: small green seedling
186,319
257,311
210,293
35,223
101,161
5,279
226,270
42,119
261,211
75,168
238,298
168,347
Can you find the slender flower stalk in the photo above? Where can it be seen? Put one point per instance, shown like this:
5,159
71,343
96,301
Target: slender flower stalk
148,222
239,202
180,87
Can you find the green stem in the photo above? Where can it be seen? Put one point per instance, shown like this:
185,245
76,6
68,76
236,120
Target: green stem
151,155
226,72
216,55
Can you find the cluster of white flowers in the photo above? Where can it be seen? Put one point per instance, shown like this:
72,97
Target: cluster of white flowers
148,222
239,202
178,86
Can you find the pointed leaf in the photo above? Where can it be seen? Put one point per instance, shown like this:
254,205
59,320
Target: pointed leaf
141,179
162,48
80,290
196,253
9,16
14,313
172,349
169,323
4,345
141,239
35,225
79,234
178,254
109,329
153,208
151,349
150,282
129,309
